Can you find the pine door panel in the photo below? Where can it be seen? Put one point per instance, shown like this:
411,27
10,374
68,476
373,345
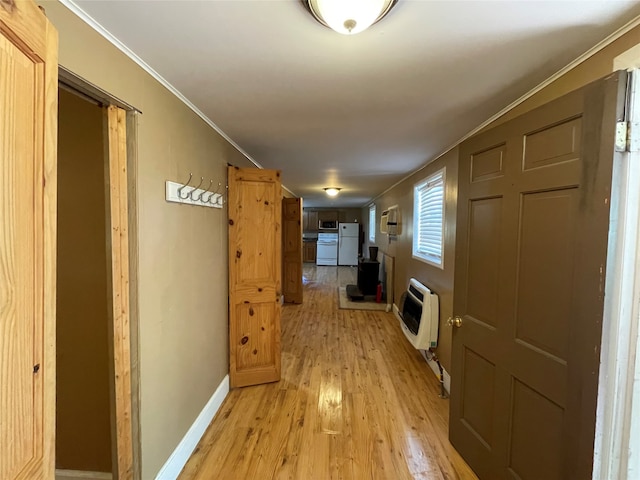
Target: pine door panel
257,335
19,347
28,113
292,250
255,242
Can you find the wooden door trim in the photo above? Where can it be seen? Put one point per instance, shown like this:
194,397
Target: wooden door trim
134,312
50,206
119,280
125,396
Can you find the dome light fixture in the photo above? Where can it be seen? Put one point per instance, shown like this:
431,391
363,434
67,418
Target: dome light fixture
332,191
348,16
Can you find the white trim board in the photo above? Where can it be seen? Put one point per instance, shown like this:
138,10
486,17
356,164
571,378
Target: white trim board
80,475
433,365
178,459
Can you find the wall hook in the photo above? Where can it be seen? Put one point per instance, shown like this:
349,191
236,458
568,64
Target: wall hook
207,189
220,200
194,195
185,185
191,193
213,194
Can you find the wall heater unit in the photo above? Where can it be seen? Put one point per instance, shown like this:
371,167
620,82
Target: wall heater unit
389,221
419,315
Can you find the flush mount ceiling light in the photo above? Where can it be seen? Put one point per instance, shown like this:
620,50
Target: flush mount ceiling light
348,16
332,191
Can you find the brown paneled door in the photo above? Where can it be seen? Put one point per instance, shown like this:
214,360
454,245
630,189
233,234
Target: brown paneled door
292,249
533,217
28,138
255,242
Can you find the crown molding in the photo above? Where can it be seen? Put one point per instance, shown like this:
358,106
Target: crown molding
585,56
95,25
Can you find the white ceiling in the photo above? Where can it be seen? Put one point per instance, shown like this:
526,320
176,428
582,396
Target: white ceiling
358,112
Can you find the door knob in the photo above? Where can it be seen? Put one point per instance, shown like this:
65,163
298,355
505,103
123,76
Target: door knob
454,322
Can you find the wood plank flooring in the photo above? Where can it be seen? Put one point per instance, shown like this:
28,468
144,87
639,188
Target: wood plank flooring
355,401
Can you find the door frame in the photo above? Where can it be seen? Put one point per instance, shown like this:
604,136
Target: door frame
616,446
120,163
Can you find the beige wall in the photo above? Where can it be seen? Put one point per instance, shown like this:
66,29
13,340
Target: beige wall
400,247
83,424
599,65
182,249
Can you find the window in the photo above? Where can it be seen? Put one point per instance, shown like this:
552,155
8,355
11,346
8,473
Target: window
372,223
428,218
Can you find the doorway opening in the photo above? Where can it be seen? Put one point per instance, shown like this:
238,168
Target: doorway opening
97,422
83,425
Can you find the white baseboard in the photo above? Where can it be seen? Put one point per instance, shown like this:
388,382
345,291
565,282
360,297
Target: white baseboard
80,475
431,363
176,462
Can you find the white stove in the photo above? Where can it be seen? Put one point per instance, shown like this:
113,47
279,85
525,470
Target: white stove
327,253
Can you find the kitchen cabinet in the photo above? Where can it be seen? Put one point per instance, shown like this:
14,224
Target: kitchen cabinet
309,251
310,221
311,218
327,215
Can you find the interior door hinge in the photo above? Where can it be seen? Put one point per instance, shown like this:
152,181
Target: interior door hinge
627,137
621,136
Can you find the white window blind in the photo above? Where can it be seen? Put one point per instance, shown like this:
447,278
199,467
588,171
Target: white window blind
372,223
428,218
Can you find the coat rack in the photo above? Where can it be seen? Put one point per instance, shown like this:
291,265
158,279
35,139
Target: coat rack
194,195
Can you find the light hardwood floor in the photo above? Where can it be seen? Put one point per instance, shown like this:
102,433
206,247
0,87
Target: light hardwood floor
355,401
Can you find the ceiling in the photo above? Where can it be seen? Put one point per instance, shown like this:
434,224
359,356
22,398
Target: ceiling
358,112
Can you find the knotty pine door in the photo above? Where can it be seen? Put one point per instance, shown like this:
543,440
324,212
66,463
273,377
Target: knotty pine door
28,139
255,244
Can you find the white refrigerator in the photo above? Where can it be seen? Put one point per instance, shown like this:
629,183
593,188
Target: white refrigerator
349,236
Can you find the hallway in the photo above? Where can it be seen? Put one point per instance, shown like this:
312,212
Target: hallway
355,401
